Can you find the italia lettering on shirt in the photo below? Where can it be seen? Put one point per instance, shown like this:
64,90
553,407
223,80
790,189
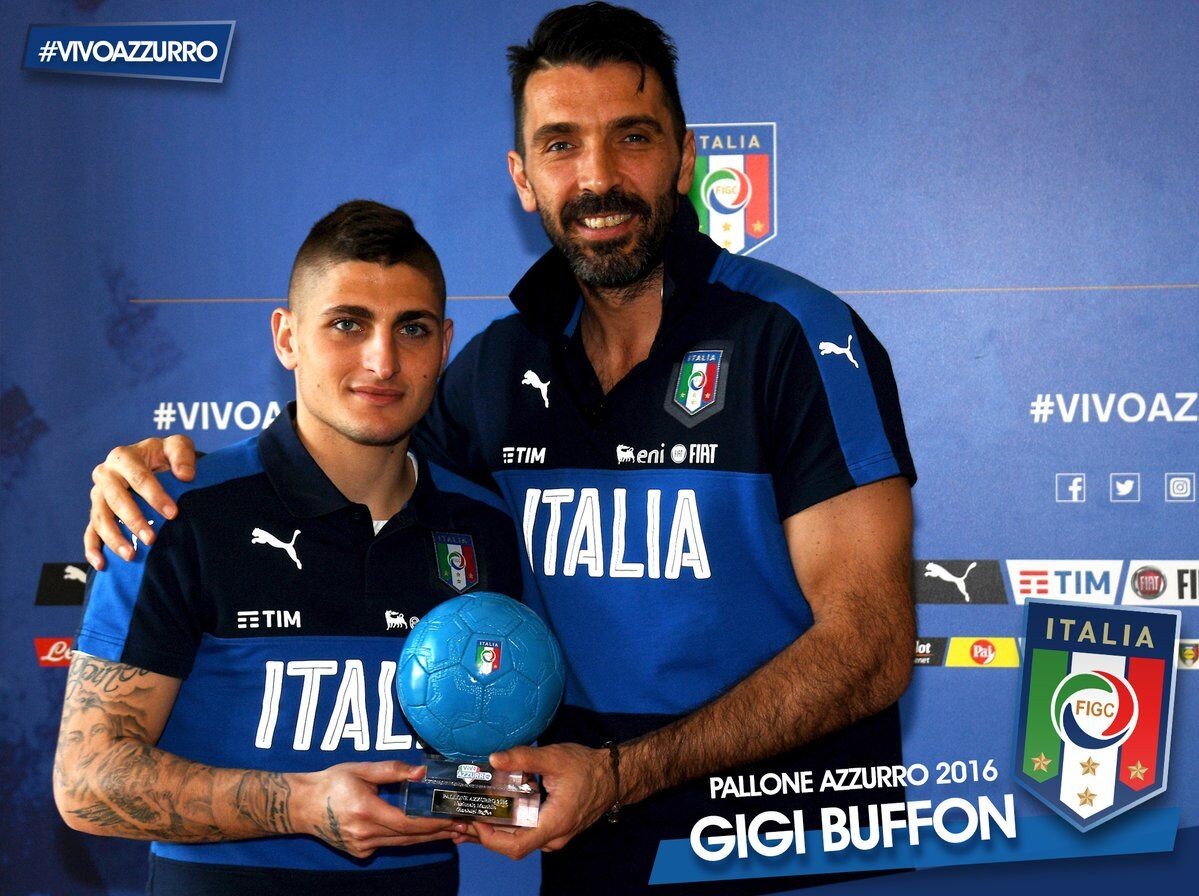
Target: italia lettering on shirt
349,718
597,545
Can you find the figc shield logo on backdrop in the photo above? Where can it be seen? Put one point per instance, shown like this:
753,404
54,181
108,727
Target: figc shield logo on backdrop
734,188
1096,698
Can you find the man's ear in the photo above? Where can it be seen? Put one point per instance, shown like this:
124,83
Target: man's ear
524,189
447,337
687,166
283,331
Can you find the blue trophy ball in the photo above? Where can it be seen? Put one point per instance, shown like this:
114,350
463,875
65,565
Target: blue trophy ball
479,673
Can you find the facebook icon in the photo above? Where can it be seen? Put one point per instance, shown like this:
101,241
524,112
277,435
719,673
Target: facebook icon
1071,488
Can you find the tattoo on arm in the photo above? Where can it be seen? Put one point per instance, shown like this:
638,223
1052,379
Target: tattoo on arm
331,831
109,775
263,798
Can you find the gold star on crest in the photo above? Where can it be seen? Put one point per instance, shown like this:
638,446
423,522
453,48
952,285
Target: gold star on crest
758,227
1086,798
1137,772
1088,767
1041,763
726,226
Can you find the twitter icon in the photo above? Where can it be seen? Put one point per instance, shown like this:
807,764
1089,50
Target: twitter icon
1126,488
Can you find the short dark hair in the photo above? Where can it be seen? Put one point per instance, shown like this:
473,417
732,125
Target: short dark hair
590,35
362,230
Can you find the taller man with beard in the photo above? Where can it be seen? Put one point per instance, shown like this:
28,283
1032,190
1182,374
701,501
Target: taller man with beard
713,503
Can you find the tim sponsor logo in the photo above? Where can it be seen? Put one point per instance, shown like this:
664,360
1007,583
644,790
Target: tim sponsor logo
1086,581
255,619
520,454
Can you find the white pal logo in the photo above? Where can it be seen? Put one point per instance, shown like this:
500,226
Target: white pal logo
74,574
532,379
261,536
831,348
937,571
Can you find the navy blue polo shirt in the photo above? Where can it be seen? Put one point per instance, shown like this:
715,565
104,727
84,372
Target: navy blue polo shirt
650,516
284,613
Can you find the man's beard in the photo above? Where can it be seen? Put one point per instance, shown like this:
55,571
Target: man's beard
619,262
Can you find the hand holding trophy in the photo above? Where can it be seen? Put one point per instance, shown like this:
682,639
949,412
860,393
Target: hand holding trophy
478,674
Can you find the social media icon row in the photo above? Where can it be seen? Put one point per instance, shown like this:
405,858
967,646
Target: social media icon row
1124,488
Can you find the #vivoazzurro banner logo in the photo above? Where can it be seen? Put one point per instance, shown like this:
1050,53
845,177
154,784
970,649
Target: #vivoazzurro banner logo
1096,701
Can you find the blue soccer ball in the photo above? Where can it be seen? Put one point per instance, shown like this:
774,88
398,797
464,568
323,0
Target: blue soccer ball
479,673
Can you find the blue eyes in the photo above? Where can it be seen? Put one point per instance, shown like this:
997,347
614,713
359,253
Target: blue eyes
411,330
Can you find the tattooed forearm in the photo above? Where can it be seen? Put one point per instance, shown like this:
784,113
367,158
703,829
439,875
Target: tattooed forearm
100,676
264,798
109,778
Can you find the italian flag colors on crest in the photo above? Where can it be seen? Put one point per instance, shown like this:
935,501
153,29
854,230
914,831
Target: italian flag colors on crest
456,564
1096,697
699,375
733,190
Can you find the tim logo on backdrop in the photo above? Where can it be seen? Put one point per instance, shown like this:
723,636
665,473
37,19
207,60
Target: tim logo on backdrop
1096,701
734,187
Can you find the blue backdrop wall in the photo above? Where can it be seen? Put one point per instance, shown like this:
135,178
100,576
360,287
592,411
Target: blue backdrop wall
1007,193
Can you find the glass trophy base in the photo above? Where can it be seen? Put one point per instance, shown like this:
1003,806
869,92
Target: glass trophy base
474,792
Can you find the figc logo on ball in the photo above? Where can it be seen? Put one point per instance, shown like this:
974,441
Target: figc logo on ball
479,673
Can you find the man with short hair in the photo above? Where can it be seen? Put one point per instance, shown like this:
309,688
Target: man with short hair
714,506
234,683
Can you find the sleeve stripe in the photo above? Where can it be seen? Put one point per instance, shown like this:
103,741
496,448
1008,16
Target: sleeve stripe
869,455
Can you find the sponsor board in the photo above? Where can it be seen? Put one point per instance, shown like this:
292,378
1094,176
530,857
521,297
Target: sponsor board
1162,583
1088,581
53,651
983,653
958,582
1188,654
1096,699
61,584
930,651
